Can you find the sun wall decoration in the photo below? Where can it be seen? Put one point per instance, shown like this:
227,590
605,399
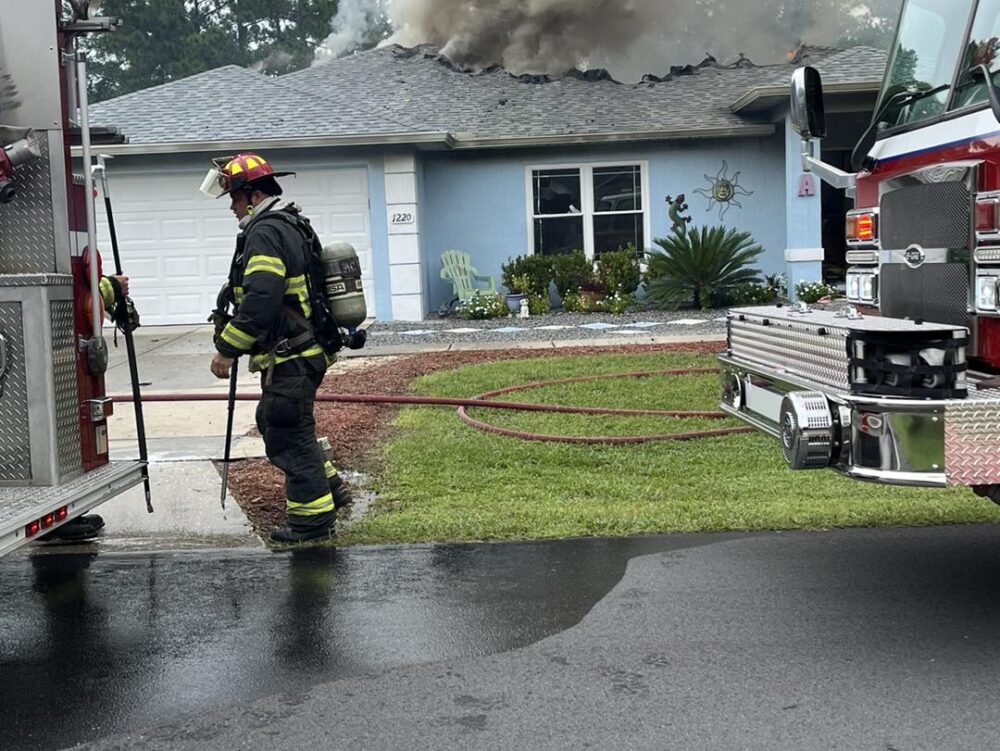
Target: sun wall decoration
723,190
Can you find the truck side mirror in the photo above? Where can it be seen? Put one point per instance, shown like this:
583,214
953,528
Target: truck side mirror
808,114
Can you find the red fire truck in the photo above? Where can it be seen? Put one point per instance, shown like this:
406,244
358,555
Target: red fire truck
54,463
898,386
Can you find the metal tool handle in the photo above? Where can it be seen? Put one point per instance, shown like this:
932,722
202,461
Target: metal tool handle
229,432
133,360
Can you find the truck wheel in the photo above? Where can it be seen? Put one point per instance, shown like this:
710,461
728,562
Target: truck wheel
988,491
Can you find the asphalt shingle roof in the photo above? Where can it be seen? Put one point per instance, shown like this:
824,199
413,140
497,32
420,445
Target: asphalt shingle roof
232,104
392,90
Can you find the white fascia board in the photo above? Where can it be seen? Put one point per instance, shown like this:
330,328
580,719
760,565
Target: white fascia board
749,131
767,96
441,139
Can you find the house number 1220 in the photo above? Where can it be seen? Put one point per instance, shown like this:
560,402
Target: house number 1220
402,218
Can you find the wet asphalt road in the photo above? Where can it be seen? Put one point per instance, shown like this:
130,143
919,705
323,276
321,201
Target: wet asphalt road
854,639
92,646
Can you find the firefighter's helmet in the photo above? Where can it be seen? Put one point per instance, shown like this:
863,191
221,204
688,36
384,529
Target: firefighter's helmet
238,172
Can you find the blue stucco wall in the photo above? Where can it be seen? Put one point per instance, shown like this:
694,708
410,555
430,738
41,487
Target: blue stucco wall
477,202
804,219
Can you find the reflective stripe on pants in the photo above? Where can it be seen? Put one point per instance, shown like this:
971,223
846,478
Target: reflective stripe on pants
286,422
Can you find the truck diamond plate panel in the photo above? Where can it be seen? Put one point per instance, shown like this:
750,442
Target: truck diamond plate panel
20,505
64,380
972,442
15,452
27,237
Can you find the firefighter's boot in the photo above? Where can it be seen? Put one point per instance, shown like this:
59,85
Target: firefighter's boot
341,493
288,536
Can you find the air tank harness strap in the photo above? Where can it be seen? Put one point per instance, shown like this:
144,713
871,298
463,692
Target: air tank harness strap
293,346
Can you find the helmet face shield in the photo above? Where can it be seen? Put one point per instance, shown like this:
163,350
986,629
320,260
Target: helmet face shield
214,185
236,172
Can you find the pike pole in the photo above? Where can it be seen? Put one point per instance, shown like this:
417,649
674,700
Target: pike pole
121,319
229,431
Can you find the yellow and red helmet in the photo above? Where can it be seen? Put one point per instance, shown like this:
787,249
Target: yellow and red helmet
236,173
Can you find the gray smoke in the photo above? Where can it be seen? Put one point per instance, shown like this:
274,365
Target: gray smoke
627,37
356,25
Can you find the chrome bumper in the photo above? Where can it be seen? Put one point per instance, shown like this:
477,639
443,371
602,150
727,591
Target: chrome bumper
897,441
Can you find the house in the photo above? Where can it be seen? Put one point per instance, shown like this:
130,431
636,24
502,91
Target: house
405,156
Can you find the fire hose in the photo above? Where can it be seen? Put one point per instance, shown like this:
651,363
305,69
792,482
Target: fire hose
485,401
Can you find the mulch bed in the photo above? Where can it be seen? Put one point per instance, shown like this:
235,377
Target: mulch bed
357,432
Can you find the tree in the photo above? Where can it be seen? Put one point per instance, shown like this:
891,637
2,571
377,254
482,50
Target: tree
162,40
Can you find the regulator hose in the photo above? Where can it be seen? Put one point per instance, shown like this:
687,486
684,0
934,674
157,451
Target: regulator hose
485,401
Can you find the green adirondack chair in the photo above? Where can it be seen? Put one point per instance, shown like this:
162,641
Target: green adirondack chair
457,268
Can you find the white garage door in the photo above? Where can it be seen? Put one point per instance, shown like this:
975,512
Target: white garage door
176,244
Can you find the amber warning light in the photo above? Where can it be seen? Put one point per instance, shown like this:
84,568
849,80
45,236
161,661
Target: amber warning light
862,227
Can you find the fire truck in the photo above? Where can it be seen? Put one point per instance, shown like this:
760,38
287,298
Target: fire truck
899,385
54,464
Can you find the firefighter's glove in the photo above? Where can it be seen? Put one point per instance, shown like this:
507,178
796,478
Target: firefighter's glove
220,319
122,310
356,339
126,316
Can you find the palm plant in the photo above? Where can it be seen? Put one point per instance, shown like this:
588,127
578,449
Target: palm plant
700,265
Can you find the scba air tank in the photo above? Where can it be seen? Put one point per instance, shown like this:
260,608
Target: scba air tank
342,284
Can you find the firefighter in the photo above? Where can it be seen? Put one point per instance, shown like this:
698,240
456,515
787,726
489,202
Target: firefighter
271,324
113,290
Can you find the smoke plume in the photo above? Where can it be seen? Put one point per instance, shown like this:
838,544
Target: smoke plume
358,23
627,37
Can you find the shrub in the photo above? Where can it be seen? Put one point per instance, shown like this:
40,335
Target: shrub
777,284
810,292
616,304
752,293
700,266
573,302
539,304
619,270
519,284
484,305
772,289
569,271
537,269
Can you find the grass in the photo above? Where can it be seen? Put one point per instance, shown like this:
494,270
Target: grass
445,481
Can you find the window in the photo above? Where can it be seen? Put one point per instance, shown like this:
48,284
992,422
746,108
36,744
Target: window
927,50
982,49
558,212
594,208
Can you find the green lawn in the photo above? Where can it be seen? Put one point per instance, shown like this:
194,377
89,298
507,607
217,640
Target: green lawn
445,481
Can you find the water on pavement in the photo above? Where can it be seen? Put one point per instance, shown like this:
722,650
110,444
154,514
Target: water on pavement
98,644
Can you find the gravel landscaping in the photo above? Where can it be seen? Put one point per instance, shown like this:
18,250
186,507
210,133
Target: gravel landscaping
639,326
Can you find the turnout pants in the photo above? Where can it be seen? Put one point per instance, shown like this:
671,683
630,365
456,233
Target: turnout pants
286,422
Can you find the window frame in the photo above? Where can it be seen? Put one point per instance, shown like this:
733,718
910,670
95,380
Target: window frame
587,212
948,113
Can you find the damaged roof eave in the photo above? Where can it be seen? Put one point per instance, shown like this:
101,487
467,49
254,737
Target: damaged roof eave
436,140
765,97
428,140
467,141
